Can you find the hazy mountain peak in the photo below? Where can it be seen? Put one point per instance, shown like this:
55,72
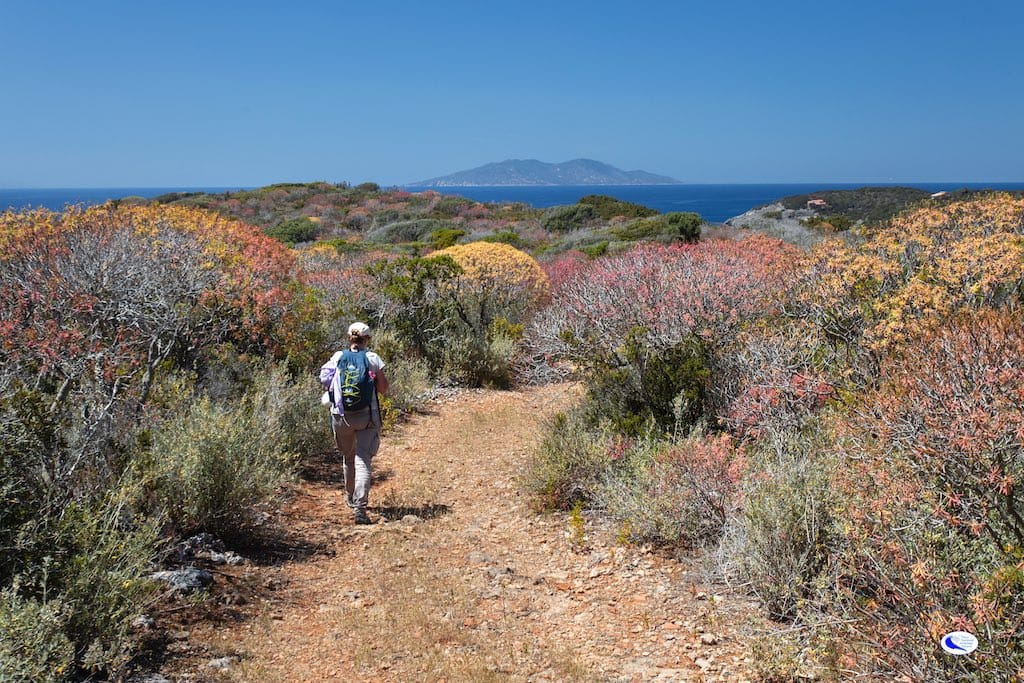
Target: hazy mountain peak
534,172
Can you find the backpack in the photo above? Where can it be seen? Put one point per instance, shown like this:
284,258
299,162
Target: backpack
353,381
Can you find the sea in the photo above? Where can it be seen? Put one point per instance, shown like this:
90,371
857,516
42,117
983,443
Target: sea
715,203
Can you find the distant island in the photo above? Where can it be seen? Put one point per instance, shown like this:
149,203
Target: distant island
533,172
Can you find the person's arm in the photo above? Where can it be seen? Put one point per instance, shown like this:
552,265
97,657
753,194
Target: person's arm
381,382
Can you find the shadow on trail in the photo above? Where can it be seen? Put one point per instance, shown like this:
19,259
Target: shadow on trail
396,512
273,545
325,468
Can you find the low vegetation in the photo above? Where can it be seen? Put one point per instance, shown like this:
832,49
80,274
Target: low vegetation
840,427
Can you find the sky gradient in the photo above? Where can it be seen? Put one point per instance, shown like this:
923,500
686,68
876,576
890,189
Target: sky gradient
141,94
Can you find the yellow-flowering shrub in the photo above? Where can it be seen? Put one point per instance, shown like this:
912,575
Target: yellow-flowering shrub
494,265
919,269
498,286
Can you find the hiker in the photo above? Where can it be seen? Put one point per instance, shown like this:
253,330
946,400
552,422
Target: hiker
354,377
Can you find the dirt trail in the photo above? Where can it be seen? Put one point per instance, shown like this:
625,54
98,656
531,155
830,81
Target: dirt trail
460,581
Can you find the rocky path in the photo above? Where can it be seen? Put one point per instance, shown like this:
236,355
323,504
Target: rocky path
459,580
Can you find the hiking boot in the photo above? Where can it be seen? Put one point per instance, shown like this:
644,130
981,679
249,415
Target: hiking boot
362,517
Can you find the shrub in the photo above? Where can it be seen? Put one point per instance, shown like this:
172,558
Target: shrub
83,563
920,268
409,379
684,226
291,409
414,230
570,464
484,361
643,229
29,455
414,295
294,230
498,285
409,383
773,378
211,464
708,290
936,537
783,536
638,383
450,206
677,493
442,238
562,219
609,207
510,237
101,555
33,646
671,227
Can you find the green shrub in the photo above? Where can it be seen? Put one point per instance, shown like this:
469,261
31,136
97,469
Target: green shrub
505,237
640,383
442,238
291,410
29,436
415,230
343,246
294,230
101,557
837,222
566,218
596,250
610,207
414,293
449,206
33,646
782,540
88,562
570,465
684,226
671,227
473,361
643,229
211,464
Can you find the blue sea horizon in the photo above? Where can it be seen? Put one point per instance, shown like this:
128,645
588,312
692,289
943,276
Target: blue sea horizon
715,203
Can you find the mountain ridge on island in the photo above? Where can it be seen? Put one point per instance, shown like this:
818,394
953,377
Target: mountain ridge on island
534,172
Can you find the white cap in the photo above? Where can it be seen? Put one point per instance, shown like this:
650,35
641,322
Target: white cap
359,330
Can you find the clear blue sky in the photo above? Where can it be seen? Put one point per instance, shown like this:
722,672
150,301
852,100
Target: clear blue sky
186,93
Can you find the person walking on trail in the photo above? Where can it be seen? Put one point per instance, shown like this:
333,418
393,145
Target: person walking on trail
353,379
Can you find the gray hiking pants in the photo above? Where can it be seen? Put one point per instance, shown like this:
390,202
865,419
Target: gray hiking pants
357,435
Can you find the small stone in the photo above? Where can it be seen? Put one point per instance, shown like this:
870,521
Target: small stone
412,519
709,639
221,663
148,678
144,622
185,581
